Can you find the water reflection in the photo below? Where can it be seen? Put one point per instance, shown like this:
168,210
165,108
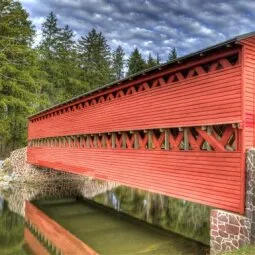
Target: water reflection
11,232
108,232
188,219
180,216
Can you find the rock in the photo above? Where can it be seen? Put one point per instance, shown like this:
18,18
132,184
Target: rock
5,185
7,178
6,167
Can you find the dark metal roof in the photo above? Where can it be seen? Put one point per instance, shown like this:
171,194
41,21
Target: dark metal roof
146,71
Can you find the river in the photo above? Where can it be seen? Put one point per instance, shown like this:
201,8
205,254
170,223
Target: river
108,231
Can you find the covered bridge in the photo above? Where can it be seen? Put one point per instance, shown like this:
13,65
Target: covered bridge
179,129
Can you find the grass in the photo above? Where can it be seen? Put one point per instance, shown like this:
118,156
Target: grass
247,250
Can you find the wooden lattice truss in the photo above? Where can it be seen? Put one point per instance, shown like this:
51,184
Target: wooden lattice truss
209,138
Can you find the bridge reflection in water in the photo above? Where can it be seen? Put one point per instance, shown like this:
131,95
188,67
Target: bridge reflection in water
105,231
99,228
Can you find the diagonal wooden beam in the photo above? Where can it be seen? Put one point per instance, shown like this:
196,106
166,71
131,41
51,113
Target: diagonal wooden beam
225,63
142,141
158,141
195,143
175,143
226,135
211,140
190,73
200,70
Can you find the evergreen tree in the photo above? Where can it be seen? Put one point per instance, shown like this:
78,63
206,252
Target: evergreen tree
172,55
158,59
136,63
50,34
59,61
65,42
69,71
19,75
95,58
151,62
49,61
118,62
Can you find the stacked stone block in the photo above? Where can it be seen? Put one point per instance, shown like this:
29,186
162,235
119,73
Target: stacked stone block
229,231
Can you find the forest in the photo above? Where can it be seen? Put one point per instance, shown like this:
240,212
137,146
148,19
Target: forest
35,75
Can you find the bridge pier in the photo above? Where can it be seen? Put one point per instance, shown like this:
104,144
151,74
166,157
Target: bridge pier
230,231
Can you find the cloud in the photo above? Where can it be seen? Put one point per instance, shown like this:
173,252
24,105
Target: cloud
152,26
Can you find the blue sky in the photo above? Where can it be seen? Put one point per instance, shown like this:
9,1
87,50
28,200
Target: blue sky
154,26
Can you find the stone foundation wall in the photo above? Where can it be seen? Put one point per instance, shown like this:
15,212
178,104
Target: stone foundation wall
250,190
229,231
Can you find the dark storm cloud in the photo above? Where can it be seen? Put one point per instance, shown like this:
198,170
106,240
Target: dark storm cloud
154,26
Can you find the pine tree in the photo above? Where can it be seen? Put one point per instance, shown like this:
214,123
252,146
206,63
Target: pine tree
50,35
59,61
118,62
64,42
151,62
19,75
95,58
158,59
69,69
136,63
172,55
49,61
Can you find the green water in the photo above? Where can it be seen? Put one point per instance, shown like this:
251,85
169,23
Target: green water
112,233
188,219
11,231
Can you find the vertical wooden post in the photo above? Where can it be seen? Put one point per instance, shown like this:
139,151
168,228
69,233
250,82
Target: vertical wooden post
136,140
103,141
150,140
167,133
209,132
113,140
236,142
186,139
124,140
87,141
95,141
81,142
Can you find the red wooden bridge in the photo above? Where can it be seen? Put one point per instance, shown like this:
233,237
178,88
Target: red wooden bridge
180,129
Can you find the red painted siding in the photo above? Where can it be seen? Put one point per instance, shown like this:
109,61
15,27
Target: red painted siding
202,95
209,178
249,100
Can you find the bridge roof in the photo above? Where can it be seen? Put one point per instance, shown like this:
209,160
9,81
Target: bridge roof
153,69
